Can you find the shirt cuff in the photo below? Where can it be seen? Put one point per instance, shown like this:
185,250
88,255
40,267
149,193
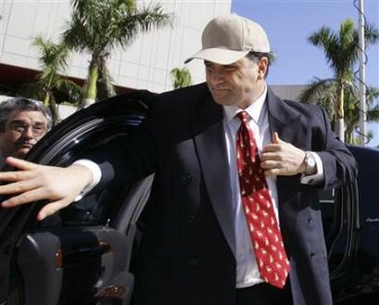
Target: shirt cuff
318,176
96,176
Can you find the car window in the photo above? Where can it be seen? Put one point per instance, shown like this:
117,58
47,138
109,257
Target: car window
114,119
80,255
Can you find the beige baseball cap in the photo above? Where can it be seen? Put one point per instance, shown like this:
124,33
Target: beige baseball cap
229,37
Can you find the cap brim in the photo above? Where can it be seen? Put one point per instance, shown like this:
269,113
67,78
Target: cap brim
218,56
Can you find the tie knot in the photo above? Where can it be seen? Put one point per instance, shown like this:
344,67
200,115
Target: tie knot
243,116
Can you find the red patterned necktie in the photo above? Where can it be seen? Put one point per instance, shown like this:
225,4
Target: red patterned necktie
265,234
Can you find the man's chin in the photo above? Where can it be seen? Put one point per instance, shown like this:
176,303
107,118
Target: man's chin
22,152
222,99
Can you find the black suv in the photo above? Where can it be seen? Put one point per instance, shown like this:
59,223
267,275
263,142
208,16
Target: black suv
82,255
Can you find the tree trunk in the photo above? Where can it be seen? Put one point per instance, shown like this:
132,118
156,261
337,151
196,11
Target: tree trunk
91,89
340,114
339,128
50,104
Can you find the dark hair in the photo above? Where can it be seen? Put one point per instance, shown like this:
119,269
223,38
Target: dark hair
256,56
22,104
259,55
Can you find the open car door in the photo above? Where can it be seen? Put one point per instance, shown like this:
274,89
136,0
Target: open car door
351,225
80,255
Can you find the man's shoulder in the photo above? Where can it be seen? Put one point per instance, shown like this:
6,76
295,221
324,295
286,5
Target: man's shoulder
187,93
300,107
288,110
182,100
180,103
294,104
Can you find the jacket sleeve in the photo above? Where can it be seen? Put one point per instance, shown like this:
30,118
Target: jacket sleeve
339,164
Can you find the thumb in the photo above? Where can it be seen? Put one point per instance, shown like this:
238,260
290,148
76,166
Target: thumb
275,138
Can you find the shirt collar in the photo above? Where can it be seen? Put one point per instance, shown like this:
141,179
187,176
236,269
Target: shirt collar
254,110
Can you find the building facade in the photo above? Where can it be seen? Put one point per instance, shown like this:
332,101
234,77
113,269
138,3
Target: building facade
146,64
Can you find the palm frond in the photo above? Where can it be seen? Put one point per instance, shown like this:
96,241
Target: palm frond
142,21
181,77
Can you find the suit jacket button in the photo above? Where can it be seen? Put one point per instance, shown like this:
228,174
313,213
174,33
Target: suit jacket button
312,255
187,178
191,219
194,262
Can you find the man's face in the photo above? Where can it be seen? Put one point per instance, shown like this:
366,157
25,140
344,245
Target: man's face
22,131
239,84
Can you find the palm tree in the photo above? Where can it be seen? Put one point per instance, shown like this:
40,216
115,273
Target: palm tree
341,51
352,114
181,77
53,61
99,26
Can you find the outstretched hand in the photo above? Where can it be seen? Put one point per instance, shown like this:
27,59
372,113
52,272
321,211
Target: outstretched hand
35,182
282,158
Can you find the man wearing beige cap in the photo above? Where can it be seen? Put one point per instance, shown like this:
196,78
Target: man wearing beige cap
233,217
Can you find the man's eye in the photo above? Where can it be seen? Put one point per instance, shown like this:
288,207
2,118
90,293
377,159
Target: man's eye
17,125
230,68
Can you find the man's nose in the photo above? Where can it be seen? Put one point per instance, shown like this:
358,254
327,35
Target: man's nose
28,133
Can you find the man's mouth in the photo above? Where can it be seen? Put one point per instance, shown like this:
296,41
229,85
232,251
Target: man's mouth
219,89
24,146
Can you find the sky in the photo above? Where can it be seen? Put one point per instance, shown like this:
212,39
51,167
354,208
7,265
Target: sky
288,24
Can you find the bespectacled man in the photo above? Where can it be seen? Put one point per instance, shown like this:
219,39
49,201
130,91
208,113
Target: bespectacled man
23,122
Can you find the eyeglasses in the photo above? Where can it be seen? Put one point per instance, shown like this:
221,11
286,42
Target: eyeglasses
38,129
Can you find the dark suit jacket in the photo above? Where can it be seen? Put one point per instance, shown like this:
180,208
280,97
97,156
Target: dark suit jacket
186,256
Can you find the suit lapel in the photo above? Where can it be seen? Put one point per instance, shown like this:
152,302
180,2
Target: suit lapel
207,122
284,121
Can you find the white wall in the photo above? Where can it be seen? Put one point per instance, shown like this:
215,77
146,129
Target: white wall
144,65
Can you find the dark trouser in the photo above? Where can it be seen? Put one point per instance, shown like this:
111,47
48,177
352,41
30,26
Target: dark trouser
263,294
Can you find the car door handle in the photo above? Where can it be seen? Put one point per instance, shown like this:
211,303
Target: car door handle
72,255
95,250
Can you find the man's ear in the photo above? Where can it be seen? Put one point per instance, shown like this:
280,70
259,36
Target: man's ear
262,67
